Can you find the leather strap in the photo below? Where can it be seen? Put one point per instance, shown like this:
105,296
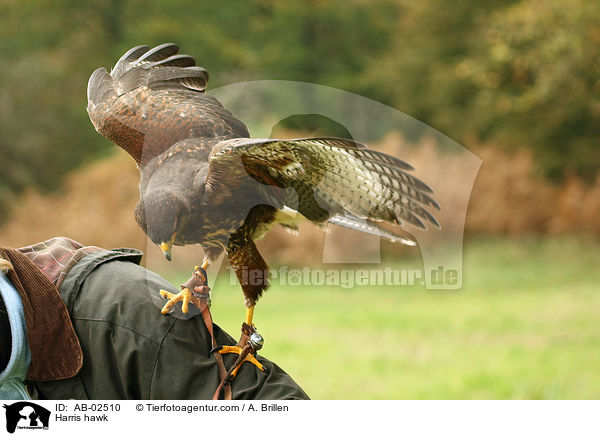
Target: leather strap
226,387
199,283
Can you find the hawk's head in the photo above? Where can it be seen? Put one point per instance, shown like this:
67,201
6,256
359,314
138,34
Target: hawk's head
160,214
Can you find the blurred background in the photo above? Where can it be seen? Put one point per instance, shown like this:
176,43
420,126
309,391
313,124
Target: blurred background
517,82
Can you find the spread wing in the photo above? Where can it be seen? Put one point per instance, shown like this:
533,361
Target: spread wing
331,179
154,98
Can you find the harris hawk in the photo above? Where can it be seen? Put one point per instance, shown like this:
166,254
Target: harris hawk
204,181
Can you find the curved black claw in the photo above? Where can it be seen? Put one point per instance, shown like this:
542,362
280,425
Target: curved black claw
218,348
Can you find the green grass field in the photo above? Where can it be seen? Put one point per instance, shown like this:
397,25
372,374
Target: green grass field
525,325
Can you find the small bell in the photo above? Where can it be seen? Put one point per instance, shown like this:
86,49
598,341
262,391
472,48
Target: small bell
256,341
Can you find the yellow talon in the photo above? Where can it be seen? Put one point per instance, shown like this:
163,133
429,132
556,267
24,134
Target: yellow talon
238,350
185,296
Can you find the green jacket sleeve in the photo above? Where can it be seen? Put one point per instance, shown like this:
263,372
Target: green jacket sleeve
131,351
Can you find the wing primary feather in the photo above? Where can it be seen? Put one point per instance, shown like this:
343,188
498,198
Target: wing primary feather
125,62
159,52
99,85
346,178
180,60
422,212
134,53
359,149
194,78
130,80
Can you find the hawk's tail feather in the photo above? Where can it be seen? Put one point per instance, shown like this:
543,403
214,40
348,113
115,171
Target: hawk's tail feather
351,222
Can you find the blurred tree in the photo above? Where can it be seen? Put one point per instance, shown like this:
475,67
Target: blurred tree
536,70
417,74
44,64
523,72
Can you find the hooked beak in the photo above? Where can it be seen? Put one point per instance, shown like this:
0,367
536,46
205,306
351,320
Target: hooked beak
166,249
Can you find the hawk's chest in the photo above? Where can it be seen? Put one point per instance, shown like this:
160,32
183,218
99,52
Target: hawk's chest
208,231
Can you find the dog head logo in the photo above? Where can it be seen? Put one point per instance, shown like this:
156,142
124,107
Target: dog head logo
24,414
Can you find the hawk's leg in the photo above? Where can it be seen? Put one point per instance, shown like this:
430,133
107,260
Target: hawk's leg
187,296
252,273
250,342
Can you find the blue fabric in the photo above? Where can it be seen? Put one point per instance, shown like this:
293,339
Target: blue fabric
12,386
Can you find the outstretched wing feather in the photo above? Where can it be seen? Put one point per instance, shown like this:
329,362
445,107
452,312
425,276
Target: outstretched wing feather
338,175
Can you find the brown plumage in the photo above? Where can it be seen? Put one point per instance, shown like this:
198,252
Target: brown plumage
204,181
